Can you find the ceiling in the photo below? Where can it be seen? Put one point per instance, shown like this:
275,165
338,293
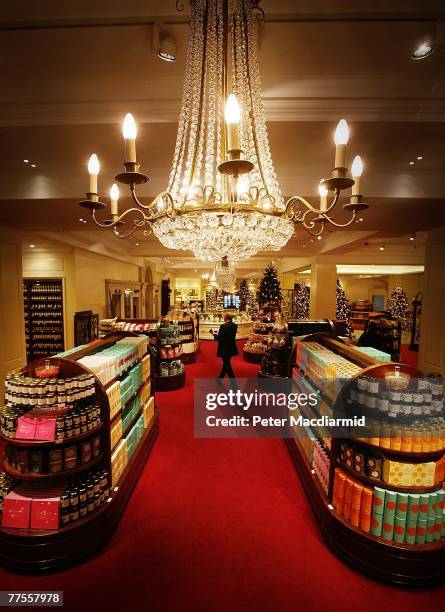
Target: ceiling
70,71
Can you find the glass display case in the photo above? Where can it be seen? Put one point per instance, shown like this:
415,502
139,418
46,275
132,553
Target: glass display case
213,319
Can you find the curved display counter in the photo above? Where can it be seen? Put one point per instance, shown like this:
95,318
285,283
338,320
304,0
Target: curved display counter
212,320
58,472
378,499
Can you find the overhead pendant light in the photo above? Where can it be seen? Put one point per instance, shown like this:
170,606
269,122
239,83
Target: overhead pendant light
223,199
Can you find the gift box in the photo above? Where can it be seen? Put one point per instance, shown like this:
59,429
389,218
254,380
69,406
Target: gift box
374,467
348,498
399,529
402,506
424,504
422,474
26,428
365,518
96,446
413,507
45,429
398,473
86,452
45,513
35,462
16,511
421,531
431,524
410,532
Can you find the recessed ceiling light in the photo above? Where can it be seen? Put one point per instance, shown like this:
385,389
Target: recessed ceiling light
195,270
26,161
382,248
419,157
136,244
80,219
32,246
361,219
33,165
318,237
423,50
411,163
412,237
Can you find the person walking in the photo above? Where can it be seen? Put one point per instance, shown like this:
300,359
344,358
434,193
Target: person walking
227,348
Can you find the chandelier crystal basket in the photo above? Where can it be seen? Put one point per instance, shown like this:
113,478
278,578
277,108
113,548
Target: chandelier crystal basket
223,199
224,274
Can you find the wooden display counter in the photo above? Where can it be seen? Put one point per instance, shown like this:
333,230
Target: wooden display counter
36,550
378,542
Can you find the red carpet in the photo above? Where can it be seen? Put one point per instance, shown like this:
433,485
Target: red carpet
219,525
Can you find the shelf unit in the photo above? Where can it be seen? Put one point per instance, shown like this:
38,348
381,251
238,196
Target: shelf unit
86,327
406,564
263,334
170,381
44,317
34,551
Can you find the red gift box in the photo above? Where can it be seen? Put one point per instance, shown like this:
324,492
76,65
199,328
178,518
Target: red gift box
45,513
45,429
26,428
16,511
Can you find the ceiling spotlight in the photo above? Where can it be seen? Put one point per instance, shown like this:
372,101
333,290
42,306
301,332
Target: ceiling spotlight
136,244
382,248
412,237
411,163
423,50
167,50
318,237
26,161
165,47
433,42
361,219
32,246
419,157
33,165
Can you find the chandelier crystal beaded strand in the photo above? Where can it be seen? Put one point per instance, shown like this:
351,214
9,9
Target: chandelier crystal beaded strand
223,199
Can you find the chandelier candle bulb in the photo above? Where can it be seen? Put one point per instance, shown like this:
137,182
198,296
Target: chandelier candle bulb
232,116
129,132
93,169
323,197
356,171
114,197
341,140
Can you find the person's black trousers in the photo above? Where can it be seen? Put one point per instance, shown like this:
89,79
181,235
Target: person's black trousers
226,367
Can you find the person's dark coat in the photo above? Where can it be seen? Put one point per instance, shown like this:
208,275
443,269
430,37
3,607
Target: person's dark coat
227,340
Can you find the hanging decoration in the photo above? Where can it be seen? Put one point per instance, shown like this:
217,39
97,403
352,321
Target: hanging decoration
222,198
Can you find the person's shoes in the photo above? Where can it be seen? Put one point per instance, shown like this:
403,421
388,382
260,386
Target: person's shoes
219,381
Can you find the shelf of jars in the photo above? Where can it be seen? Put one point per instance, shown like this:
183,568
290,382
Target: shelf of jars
77,429
212,319
170,372
189,334
266,335
44,322
378,493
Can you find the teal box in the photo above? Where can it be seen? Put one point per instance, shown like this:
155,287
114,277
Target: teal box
421,531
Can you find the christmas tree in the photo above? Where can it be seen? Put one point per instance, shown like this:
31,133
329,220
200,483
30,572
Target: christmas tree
269,293
301,301
397,305
343,310
211,298
244,295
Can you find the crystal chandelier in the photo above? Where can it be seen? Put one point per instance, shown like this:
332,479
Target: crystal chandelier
223,198
225,275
